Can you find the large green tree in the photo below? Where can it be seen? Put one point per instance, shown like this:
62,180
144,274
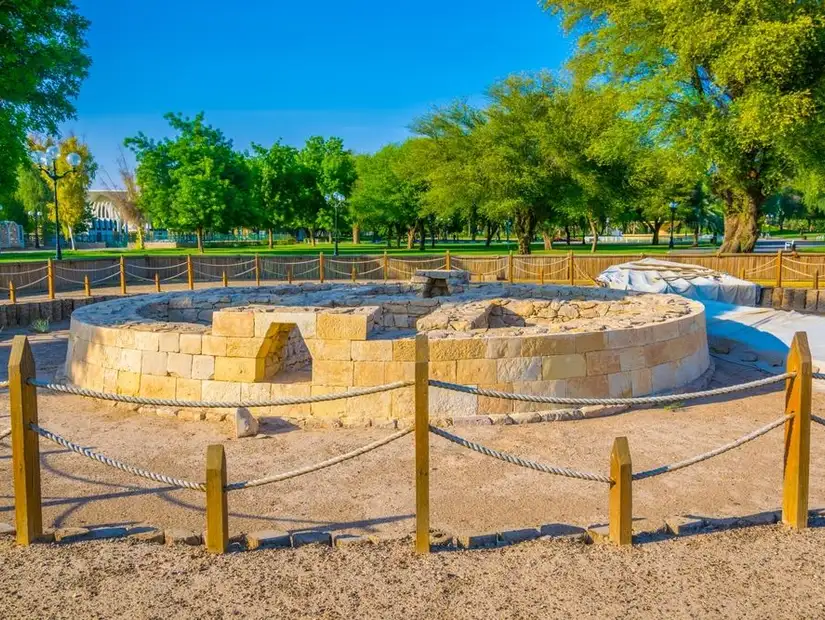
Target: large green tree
33,194
195,181
739,82
42,64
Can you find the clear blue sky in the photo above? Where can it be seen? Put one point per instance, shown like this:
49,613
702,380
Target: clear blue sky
263,70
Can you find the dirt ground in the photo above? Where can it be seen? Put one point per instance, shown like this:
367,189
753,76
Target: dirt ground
757,572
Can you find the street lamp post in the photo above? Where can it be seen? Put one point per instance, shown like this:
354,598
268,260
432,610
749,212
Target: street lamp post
337,200
47,162
673,206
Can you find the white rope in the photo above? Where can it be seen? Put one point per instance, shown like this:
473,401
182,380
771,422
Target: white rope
21,287
177,275
100,458
248,484
666,469
208,276
134,275
157,268
224,265
114,275
516,460
4,385
171,402
23,273
88,270
796,271
642,400
293,263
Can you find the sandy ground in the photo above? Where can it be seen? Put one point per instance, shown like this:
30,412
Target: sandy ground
724,574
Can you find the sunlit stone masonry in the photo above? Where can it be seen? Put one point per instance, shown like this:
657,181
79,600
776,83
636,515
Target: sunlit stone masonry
307,339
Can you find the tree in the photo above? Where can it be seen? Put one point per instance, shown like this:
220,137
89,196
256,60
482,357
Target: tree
193,182
333,170
739,83
43,60
126,199
33,194
72,188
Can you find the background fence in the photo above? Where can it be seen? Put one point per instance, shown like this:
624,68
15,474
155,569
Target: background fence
38,277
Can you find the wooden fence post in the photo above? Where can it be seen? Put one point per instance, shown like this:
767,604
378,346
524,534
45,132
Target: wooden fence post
510,267
157,282
422,444
225,279
816,279
25,445
217,514
742,273
289,274
12,293
448,261
570,273
122,275
50,277
541,275
778,269
797,434
87,286
321,267
190,273
621,493
354,273
386,265
257,270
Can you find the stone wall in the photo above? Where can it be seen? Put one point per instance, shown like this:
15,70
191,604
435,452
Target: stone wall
798,299
297,341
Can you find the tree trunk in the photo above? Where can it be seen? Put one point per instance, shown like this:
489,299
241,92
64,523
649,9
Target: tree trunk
140,239
312,236
525,229
71,239
567,233
270,241
548,241
199,233
432,235
696,235
491,232
356,234
595,232
422,241
410,237
656,229
741,222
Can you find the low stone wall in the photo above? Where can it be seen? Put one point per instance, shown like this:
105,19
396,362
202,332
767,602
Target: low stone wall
798,299
311,339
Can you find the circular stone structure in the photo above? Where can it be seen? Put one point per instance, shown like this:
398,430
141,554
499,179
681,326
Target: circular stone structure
298,340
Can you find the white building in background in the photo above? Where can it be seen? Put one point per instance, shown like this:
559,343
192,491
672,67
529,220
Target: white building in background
107,224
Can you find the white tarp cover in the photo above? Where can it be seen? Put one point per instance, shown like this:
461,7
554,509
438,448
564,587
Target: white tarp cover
650,275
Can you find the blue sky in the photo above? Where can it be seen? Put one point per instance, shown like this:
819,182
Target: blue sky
263,70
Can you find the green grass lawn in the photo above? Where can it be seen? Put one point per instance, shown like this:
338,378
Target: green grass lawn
350,248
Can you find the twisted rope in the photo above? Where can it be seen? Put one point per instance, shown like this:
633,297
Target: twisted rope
642,400
171,402
666,469
224,265
157,268
248,484
88,269
818,420
23,273
517,460
130,469
4,385
38,281
796,271
818,375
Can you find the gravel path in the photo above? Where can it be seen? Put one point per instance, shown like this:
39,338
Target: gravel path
764,572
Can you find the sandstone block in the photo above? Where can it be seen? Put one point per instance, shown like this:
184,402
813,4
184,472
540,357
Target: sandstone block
371,350
659,353
641,382
330,408
368,373
335,373
157,387
213,345
475,371
443,349
403,350
154,363
235,324
177,536
128,383
631,358
110,380
300,539
220,391
244,423
820,305
476,541
799,298
290,390
247,347
187,389
525,417
256,392
811,300
267,539
131,360
623,338
304,320
371,406
590,341
563,366
147,341
620,384
452,403
684,525
190,344
146,533
239,369
503,347
555,344
776,298
787,298
403,403
169,341
334,326
603,362
663,376
665,331
399,371
518,369
496,406
472,420
179,365
588,387
332,350
599,534
203,367
539,388
443,371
